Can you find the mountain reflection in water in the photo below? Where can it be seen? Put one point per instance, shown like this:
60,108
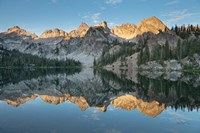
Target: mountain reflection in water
99,89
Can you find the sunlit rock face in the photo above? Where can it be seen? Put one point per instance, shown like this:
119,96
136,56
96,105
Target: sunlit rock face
125,30
80,31
53,33
104,26
152,24
129,31
17,30
129,102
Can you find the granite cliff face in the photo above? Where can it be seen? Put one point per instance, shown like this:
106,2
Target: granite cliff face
125,30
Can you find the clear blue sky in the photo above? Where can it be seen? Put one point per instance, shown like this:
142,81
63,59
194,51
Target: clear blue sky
39,15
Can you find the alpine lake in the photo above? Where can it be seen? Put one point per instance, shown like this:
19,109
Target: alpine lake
98,101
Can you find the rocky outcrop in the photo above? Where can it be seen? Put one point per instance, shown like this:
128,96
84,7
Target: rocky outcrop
129,31
162,38
193,61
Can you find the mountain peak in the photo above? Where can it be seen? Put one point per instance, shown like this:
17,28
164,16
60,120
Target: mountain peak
82,28
53,33
80,31
103,24
19,31
152,20
129,31
154,17
83,25
125,30
152,24
13,29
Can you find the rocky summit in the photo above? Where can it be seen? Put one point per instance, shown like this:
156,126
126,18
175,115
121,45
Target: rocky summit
80,31
53,33
21,32
129,31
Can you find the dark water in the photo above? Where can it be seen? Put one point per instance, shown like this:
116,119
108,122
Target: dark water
84,101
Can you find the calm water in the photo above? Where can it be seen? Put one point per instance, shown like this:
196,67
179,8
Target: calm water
77,101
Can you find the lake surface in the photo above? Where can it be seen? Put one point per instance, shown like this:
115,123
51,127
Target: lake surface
84,101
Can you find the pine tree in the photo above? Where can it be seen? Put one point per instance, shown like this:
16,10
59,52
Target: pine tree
166,54
94,63
140,57
176,29
146,56
178,50
162,54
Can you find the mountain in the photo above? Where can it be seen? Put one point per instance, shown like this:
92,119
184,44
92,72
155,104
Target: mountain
87,43
83,44
129,31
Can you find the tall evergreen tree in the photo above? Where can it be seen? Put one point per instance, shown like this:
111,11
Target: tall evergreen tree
178,50
166,50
